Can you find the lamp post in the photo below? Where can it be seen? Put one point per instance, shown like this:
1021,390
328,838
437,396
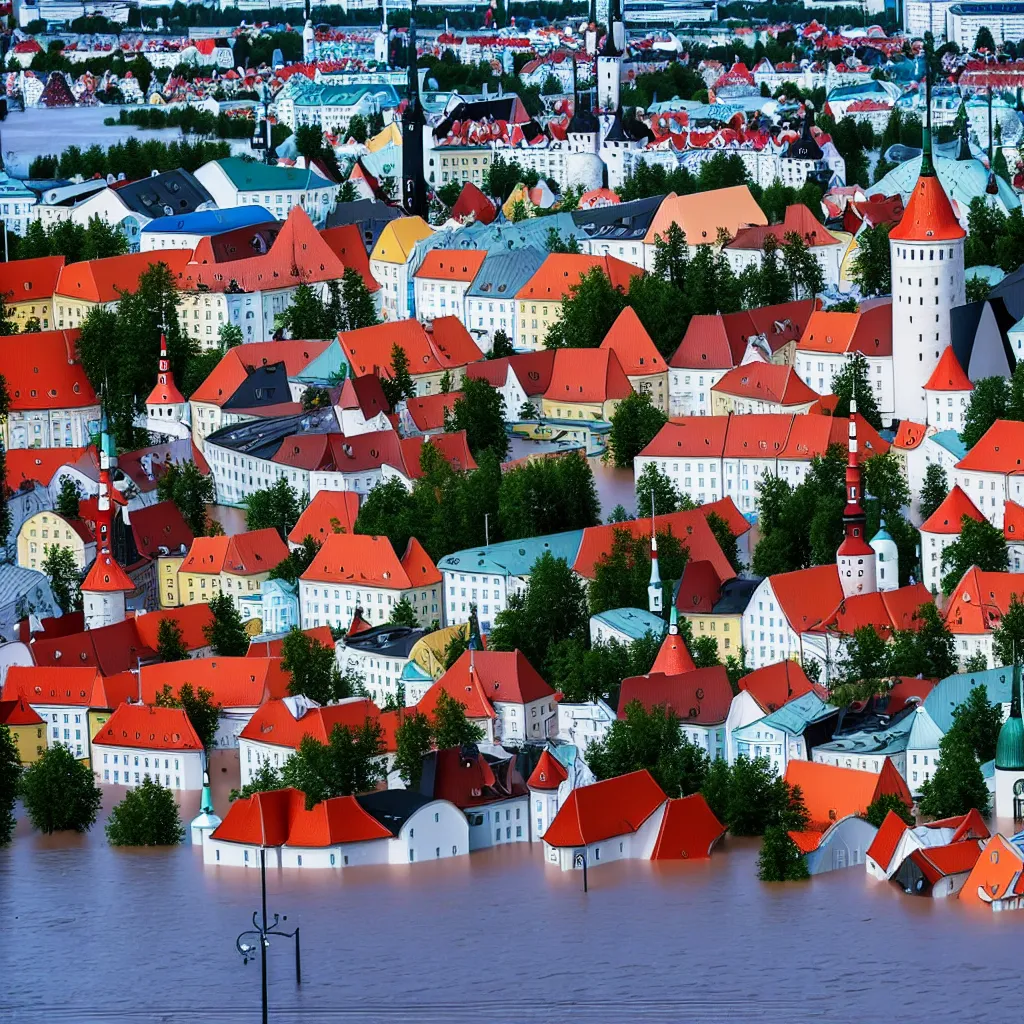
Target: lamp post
580,860
261,933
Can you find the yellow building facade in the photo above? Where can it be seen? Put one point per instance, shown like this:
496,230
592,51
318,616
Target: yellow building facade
725,628
535,320
46,529
167,580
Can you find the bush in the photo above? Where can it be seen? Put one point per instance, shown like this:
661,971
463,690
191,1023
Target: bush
147,816
60,793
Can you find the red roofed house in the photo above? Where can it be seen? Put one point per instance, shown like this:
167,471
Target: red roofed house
52,403
761,388
361,406
549,785
354,570
502,692
238,685
149,743
329,512
26,726
992,472
277,727
442,280
235,565
387,827
643,364
689,830
949,392
940,530
586,384
27,287
836,835
616,819
425,416
976,608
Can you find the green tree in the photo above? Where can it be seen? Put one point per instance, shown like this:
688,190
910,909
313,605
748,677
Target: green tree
501,346
555,242
399,384
275,506
352,761
704,650
265,779
60,793
854,381
635,423
870,269
865,660
880,808
191,492
413,741
977,662
622,574
451,727
68,498
548,496
147,816
480,412
10,778
984,41
359,309
226,635
989,401
928,651
801,267
581,673
749,797
170,643
64,576
933,490
780,860
308,316
981,544
309,140
298,561
199,705
403,614
313,667
358,129
1008,636
957,785
653,482
315,398
651,740
229,336
979,721
727,540
588,313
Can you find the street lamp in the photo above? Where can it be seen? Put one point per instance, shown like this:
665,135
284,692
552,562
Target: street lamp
260,934
580,860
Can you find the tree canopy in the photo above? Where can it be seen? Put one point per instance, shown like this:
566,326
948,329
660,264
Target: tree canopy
147,816
60,792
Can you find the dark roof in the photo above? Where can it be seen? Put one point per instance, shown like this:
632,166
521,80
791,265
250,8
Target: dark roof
262,438
619,220
390,641
163,195
266,385
736,594
805,148
977,350
392,807
1011,291
501,108
241,243
631,130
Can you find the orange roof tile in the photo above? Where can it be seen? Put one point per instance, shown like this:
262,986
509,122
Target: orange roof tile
703,214
909,435
560,273
996,874
673,658
613,807
701,695
158,526
346,243
980,600
806,842
71,686
549,774
238,362
234,682
152,728
329,512
689,830
886,611
452,445
243,554
1000,449
1013,520
38,465
103,280
948,516
928,215
107,576
804,593
190,619
502,675
628,339
30,280
704,435
774,685
274,724
445,345
888,837
371,561
427,412
831,793
767,382
45,374
468,691
274,648
451,265
592,375
948,374
18,711
798,220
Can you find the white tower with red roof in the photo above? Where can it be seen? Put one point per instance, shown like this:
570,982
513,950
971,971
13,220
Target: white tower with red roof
165,407
855,557
926,252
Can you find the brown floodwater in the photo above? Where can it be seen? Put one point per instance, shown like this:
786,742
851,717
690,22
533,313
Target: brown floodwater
96,934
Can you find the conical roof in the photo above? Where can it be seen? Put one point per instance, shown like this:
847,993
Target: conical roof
948,374
1010,745
673,658
106,575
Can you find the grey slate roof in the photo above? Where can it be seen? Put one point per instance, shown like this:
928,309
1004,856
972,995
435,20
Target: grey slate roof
504,273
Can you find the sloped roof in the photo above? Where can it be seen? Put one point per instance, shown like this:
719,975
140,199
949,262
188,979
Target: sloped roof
30,280
504,676
103,280
160,525
233,369
947,518
561,272
427,412
450,265
999,450
629,340
398,239
191,620
948,374
26,465
148,727
689,830
831,793
980,600
591,375
45,374
548,774
370,561
776,684
274,723
702,695
107,576
234,682
928,215
17,711
766,382
81,686
803,593
445,345
702,215
888,837
329,511
612,807
673,658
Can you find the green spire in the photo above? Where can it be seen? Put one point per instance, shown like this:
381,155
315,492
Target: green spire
206,800
1010,745
927,167
673,620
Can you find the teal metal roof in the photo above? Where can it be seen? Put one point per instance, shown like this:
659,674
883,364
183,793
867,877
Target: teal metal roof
991,275
796,715
963,181
513,557
345,95
1010,745
883,742
952,691
950,440
326,368
247,175
924,733
414,672
499,236
634,622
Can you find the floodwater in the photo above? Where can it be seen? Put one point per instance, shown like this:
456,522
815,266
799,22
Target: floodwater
96,934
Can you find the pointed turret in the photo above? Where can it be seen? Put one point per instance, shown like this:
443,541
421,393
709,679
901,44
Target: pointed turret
414,186
673,657
963,151
855,557
165,406
1010,757
654,594
206,820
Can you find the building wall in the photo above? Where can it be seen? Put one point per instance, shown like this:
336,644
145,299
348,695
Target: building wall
535,320
631,846
499,823
767,635
66,724
48,529
71,310
51,428
176,769
583,724
689,391
725,629
379,672
844,846
40,309
167,580
334,604
30,741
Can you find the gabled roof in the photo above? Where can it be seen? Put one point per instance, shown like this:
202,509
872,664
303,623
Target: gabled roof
327,513
590,375
238,362
103,280
947,518
365,394
1013,521
561,272
868,332
191,620
628,339
775,685
938,862
886,611
888,837
234,682
673,658
346,242
948,374
613,807
30,280
980,600
549,774
45,374
149,728
702,215
450,265
503,676
803,593
798,220
17,711
689,830
250,176
999,450
701,696
445,345
107,576
70,686
286,722
453,447
398,239
38,465
370,561
427,412
766,382
699,589
831,793
243,554
160,526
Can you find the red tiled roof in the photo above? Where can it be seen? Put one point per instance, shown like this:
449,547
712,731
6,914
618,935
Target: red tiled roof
371,562
17,711
45,374
699,589
613,807
234,682
427,412
689,830
346,242
549,774
831,793
947,518
452,445
150,728
274,724
475,781
103,280
365,394
804,593
446,345
948,374
472,201
160,526
243,554
27,465
32,279
774,685
798,220
451,265
592,375
629,340
274,648
928,216
229,374
909,435
1013,520
937,862
673,658
71,686
190,619
700,696
555,278
107,576
689,436
886,611
868,332
806,842
980,600
503,675
888,837
767,382
327,513
999,450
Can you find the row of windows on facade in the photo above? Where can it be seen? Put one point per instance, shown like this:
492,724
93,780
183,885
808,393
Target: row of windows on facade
148,775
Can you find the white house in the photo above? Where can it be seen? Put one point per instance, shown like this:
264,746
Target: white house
584,724
378,656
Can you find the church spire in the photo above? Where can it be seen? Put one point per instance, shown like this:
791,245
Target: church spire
927,167
855,558
414,186
654,594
